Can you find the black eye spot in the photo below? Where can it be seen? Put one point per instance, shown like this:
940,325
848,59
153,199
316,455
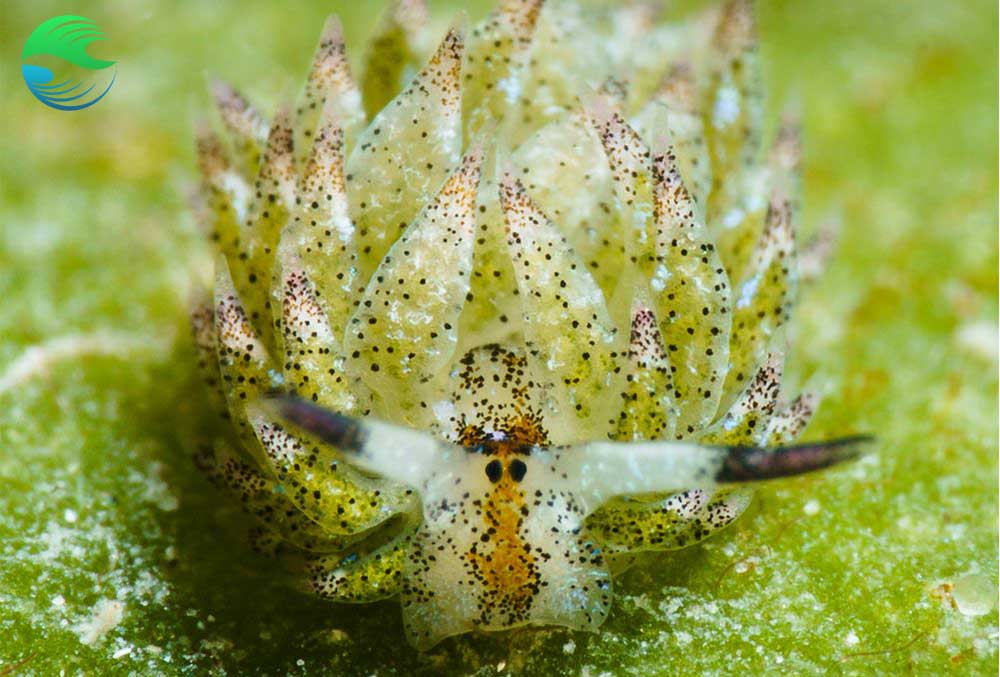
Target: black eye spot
518,470
494,470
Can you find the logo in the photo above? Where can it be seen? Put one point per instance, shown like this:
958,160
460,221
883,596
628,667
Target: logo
64,39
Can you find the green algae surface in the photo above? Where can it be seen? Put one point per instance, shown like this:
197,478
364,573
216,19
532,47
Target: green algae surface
116,556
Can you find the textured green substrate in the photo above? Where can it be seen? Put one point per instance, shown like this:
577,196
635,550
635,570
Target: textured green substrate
107,534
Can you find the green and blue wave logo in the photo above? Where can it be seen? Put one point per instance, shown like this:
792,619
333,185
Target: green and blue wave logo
64,40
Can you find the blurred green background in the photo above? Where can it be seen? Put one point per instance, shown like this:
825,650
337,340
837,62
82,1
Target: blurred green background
889,565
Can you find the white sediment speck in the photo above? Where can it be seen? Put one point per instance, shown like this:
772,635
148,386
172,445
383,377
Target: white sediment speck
70,516
58,600
979,338
569,647
156,491
36,360
811,508
732,218
974,595
851,639
125,651
747,292
511,87
660,278
107,615
727,107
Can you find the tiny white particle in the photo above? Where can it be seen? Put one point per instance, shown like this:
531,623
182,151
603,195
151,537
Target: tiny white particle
979,339
58,600
122,652
974,595
732,218
748,291
569,647
851,639
107,614
727,107
70,516
811,508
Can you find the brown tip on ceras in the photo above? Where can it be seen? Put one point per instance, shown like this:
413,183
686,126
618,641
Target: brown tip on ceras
665,170
462,186
444,70
736,31
677,89
211,154
778,222
516,205
787,151
225,95
510,188
522,14
201,316
472,164
325,165
452,47
614,90
627,154
599,110
301,311
645,341
513,194
233,325
329,56
332,37
278,166
798,414
669,191
765,387
279,138
817,252
238,114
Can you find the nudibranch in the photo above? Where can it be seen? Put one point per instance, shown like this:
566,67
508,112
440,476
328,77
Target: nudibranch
503,312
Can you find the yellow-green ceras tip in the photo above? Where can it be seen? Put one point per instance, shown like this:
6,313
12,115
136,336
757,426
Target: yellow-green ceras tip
521,295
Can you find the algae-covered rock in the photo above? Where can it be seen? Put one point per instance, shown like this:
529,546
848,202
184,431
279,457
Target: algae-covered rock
117,556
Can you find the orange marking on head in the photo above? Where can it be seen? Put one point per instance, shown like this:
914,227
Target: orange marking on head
502,561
